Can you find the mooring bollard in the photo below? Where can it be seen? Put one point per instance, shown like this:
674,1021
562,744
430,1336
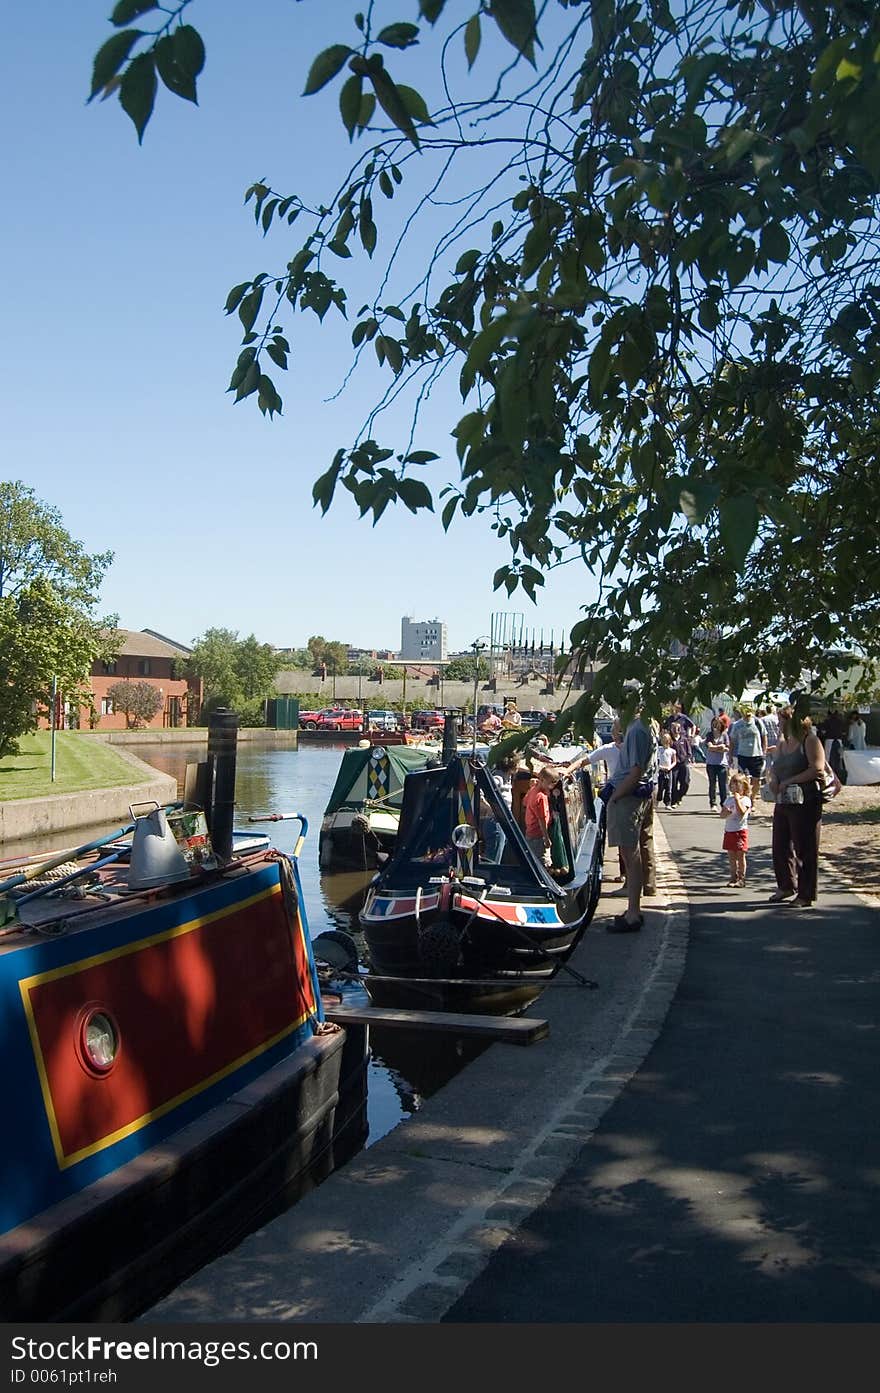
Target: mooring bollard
222,745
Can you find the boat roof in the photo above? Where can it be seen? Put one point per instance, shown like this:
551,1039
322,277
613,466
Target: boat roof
375,773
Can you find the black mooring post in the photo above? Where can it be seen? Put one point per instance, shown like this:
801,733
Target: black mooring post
450,737
222,742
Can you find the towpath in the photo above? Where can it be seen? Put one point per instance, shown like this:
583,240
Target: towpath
695,1141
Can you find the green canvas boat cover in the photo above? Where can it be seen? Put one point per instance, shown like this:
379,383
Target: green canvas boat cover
377,773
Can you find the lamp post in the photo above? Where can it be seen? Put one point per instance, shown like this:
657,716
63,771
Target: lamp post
478,646
53,725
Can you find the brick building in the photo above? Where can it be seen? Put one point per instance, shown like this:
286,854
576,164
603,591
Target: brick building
144,656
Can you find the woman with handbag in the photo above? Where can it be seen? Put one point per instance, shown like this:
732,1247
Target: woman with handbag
796,779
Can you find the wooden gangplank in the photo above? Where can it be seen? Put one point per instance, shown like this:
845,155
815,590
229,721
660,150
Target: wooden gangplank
511,1030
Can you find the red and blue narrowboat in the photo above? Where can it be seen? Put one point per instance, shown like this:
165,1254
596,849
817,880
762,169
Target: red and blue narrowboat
171,1082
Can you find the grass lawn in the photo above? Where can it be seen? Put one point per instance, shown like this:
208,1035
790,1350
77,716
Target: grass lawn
79,765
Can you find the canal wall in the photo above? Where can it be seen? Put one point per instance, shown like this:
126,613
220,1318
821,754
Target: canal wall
30,819
191,735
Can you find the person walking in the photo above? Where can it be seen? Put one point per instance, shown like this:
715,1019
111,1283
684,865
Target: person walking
666,762
856,731
750,747
735,810
795,777
629,804
835,733
681,774
717,761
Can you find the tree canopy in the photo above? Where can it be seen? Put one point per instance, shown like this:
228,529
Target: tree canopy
48,629
648,241
329,653
236,672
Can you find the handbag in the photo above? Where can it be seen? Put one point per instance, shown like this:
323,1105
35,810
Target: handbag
829,784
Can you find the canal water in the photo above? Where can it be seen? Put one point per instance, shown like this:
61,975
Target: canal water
406,1066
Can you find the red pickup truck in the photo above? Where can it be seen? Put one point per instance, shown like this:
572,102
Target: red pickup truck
340,718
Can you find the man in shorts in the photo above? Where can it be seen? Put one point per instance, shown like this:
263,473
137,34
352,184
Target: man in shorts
628,809
751,746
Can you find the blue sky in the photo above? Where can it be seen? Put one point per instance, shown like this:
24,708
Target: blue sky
117,262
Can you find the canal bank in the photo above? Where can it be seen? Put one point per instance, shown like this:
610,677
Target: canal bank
66,816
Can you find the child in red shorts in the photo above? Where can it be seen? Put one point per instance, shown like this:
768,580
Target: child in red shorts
735,810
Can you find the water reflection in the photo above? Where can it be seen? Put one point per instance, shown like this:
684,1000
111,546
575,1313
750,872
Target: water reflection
407,1066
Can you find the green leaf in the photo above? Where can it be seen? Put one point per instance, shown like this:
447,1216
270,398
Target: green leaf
738,526
774,243
365,115
126,10
740,262
516,19
234,297
449,512
172,74
189,51
110,58
414,103
137,91
325,67
388,349
385,184
414,495
708,314
431,10
250,382
473,35
391,102
420,457
466,262
398,35
350,104
366,227
250,308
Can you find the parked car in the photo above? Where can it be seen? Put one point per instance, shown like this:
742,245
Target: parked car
382,720
428,720
341,718
308,720
533,718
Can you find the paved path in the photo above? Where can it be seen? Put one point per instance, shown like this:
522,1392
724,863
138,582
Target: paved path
696,1140
736,1177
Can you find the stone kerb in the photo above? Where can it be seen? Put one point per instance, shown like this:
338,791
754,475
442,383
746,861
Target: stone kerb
22,819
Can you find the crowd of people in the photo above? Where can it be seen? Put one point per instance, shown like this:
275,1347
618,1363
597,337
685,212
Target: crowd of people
769,753
775,754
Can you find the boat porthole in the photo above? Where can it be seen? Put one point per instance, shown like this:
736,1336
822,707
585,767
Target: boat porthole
98,1040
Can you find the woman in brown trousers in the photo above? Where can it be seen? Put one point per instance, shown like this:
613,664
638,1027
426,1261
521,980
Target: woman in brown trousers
795,778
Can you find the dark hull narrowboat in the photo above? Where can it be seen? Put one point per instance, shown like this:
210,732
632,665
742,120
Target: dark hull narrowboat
448,928
173,1083
359,827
